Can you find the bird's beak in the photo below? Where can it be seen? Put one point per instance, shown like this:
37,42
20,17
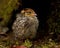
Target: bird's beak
34,14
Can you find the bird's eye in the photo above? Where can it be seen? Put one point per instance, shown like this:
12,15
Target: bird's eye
29,12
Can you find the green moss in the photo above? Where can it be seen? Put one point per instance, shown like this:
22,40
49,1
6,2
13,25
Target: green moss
27,43
6,8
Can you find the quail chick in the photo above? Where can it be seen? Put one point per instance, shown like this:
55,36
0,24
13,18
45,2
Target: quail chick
26,24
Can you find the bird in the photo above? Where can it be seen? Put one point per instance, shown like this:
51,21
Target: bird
26,24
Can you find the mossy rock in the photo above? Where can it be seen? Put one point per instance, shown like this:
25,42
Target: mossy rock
6,8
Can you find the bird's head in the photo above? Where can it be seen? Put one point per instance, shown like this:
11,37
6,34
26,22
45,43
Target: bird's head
28,12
